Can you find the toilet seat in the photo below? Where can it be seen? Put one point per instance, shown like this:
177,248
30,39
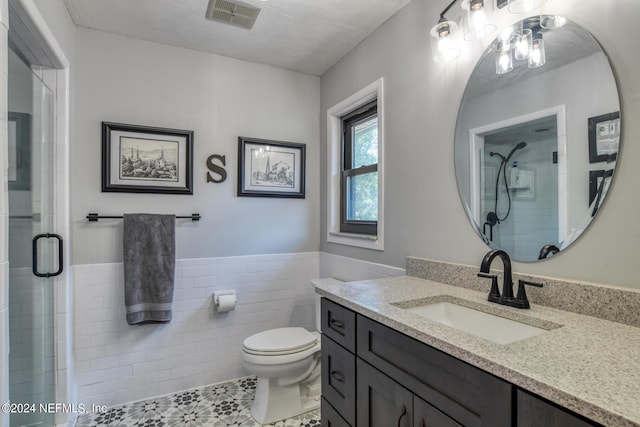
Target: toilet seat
280,342
265,349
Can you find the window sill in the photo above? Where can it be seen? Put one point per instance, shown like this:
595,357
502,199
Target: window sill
359,240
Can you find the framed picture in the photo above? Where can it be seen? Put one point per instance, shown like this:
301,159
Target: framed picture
19,151
604,137
143,159
599,182
270,168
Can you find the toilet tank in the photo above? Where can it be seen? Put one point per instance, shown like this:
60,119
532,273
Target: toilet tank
314,283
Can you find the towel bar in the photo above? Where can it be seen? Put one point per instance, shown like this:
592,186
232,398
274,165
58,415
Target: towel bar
94,217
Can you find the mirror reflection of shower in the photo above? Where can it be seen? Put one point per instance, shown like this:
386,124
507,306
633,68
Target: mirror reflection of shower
519,186
493,218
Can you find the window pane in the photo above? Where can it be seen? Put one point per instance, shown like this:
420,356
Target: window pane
362,200
365,142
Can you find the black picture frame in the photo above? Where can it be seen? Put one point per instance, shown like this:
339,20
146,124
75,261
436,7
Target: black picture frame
146,159
604,137
19,151
599,182
271,168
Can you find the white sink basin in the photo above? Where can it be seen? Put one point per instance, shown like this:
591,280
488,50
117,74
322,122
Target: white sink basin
484,325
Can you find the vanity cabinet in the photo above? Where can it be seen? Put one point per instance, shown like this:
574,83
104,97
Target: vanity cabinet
383,402
373,376
534,412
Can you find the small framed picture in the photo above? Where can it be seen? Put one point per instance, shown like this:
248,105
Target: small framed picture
144,159
271,168
604,137
599,182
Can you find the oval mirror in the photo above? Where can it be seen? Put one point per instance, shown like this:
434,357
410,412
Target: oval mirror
537,137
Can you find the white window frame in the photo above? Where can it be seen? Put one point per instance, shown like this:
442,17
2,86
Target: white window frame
334,161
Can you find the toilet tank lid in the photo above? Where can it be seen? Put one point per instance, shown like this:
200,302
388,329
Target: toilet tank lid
280,339
326,281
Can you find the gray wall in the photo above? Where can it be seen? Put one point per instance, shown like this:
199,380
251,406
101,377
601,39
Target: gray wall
423,213
126,80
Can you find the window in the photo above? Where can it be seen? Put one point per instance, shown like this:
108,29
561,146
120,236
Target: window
355,169
359,178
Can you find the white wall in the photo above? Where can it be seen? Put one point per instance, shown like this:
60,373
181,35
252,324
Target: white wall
423,213
125,80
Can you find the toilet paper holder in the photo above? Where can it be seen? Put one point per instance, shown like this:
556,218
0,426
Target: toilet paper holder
224,301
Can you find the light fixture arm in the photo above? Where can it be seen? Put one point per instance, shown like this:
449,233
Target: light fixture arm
446,9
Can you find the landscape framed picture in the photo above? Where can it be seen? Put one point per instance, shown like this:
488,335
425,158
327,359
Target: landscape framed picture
145,159
271,168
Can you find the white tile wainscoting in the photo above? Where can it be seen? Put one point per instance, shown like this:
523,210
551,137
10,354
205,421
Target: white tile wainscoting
117,363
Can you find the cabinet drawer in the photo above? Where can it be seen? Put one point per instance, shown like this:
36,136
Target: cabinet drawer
339,324
464,393
339,379
533,412
331,417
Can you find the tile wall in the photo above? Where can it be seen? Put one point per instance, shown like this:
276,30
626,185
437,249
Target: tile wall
118,363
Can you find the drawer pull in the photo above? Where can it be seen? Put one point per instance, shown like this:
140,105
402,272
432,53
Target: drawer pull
337,376
404,412
337,323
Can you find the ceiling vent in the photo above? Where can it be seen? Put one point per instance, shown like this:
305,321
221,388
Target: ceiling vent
232,12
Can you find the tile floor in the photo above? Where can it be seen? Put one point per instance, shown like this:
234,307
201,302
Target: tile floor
218,405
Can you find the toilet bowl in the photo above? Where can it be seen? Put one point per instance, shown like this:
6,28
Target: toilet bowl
286,362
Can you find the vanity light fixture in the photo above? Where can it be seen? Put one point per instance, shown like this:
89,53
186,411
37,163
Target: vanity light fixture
444,38
537,56
478,19
524,6
523,44
504,56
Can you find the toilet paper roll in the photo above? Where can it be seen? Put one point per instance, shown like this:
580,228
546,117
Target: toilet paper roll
225,303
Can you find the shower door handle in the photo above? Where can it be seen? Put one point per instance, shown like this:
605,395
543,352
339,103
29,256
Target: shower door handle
34,246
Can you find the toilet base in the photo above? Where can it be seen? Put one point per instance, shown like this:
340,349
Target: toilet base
274,402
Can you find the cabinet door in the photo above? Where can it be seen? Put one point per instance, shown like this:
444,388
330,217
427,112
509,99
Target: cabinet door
331,417
339,378
381,401
426,415
532,411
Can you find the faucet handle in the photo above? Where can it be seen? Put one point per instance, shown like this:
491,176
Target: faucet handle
521,298
494,293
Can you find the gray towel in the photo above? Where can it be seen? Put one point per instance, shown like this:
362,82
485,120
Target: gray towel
149,262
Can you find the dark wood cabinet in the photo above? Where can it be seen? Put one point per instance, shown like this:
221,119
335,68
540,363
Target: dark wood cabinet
464,393
535,412
425,415
339,378
382,402
331,417
373,376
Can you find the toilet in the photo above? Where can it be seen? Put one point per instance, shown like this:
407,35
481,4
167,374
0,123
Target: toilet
286,362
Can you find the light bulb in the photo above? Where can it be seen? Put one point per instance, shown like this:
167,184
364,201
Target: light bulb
537,56
504,62
523,45
479,16
444,43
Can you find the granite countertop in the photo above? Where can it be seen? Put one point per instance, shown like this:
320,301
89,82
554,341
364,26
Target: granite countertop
588,365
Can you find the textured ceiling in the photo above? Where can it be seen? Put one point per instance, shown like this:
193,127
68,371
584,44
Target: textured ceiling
308,36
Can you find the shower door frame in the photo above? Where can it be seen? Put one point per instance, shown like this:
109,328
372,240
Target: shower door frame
42,37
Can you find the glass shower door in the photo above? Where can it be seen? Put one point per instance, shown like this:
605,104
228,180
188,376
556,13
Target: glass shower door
31,259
